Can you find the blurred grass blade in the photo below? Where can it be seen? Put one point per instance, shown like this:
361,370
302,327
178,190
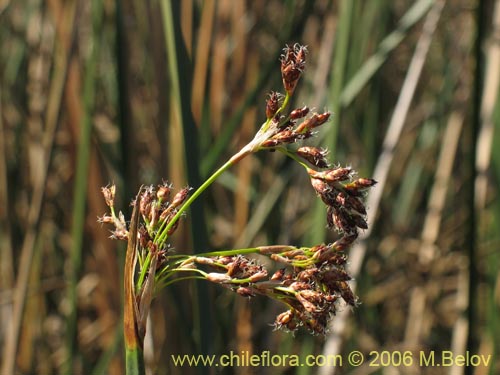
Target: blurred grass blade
62,51
80,187
289,30
405,200
391,41
471,132
357,252
317,230
263,209
181,81
489,98
487,152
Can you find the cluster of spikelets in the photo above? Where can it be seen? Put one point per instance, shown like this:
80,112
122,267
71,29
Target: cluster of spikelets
154,206
311,281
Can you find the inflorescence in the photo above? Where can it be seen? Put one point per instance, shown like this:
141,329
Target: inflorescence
311,281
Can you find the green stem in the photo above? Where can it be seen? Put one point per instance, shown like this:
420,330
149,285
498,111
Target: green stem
144,271
134,362
285,103
164,285
281,109
162,234
250,250
292,155
80,188
202,274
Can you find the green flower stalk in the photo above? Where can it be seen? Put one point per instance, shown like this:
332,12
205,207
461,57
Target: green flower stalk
311,282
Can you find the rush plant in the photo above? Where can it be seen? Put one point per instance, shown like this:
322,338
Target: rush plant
312,282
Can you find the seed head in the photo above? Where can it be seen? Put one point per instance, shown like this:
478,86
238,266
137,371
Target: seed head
299,113
105,219
278,275
293,62
163,193
272,104
220,278
315,156
360,185
180,197
287,321
259,275
313,122
109,195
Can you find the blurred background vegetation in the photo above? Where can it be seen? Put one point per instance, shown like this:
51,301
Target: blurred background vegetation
135,92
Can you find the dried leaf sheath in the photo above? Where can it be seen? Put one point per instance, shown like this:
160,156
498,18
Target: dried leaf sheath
130,309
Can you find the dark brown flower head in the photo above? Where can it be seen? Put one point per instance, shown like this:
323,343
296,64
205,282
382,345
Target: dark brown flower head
315,156
326,253
145,202
143,236
344,222
345,209
285,136
351,203
225,260
334,255
307,276
284,130
299,285
284,317
318,324
359,221
294,254
105,219
332,175
287,320
346,292
119,234
272,104
109,195
333,274
163,193
259,275
293,62
312,300
167,214
154,208
345,241
310,307
180,197
299,113
324,191
219,278
360,185
338,174
237,268
300,55
206,261
317,119
278,275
